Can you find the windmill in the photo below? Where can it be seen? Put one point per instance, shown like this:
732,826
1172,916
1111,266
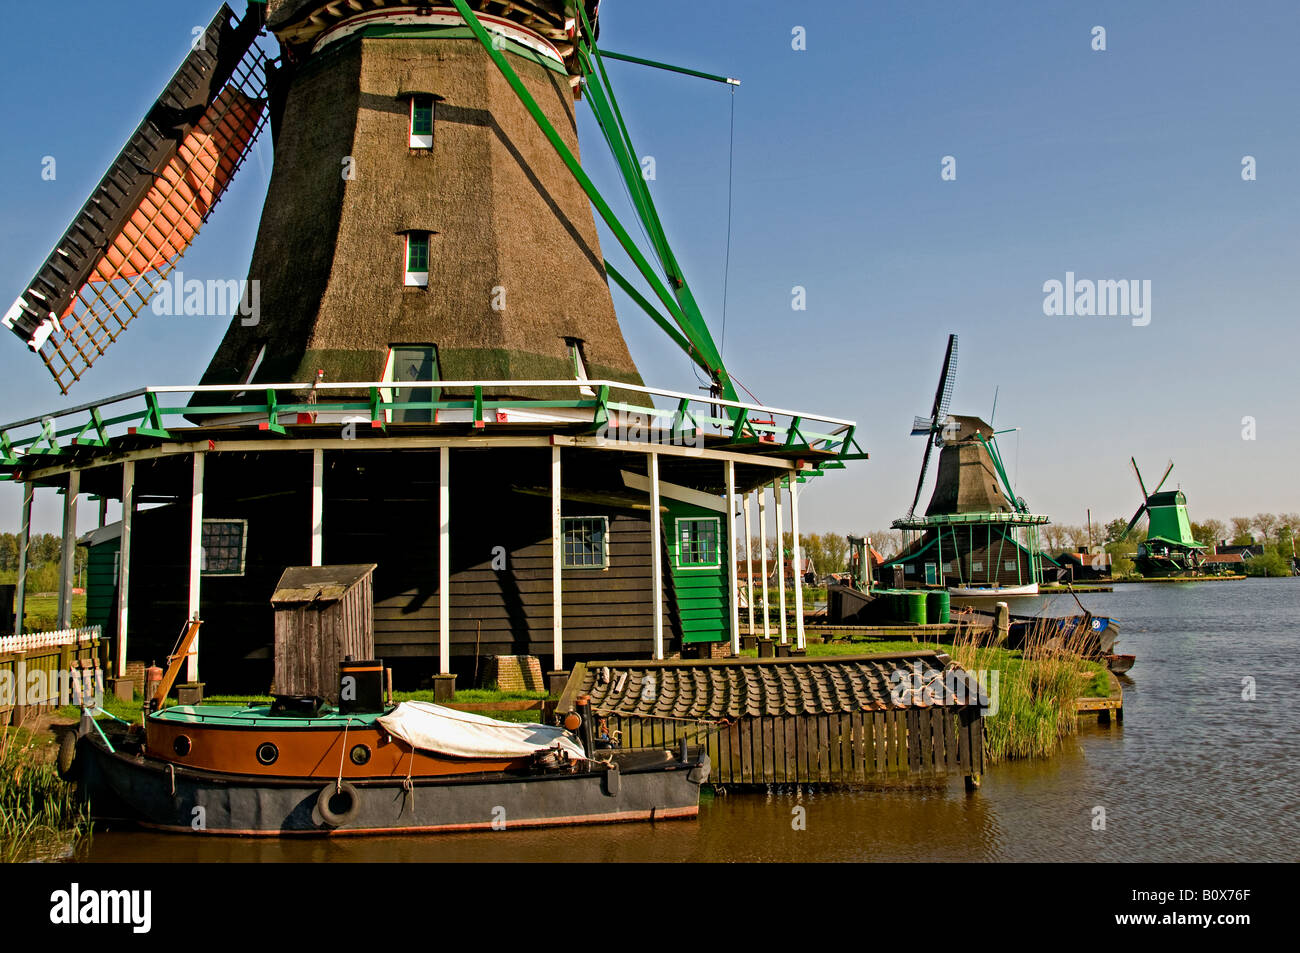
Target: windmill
1169,548
932,427
434,346
976,535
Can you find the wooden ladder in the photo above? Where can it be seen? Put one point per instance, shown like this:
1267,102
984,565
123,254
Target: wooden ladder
174,662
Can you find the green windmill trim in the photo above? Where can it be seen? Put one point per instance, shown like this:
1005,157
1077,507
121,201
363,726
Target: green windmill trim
604,103
705,351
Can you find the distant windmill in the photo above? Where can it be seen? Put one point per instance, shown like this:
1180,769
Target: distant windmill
1170,548
977,536
933,427
1146,497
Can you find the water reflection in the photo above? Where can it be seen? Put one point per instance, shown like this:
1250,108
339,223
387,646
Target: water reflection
1196,773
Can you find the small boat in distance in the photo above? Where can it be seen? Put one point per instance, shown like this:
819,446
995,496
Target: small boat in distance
993,591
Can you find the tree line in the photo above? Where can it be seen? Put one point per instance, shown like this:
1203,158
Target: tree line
44,559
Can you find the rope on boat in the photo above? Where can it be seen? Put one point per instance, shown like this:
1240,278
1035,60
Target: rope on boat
171,770
338,785
407,786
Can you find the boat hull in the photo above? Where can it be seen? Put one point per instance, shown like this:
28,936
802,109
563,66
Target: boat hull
648,785
989,592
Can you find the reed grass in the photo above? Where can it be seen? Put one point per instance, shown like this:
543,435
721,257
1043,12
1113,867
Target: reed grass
1037,690
40,818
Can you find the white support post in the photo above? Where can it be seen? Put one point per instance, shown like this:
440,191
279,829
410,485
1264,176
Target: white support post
797,557
656,558
780,557
317,506
557,566
196,562
124,565
68,567
24,542
731,556
749,568
444,560
762,549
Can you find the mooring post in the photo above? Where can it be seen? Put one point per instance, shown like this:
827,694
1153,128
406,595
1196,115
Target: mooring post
1001,623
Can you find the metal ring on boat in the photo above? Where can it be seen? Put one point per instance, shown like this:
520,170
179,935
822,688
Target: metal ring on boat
267,753
341,790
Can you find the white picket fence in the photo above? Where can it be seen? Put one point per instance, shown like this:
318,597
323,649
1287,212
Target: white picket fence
32,641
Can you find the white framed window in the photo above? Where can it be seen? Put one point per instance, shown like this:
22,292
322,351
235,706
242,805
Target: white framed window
1009,565
225,546
409,363
697,543
584,542
976,565
422,122
417,259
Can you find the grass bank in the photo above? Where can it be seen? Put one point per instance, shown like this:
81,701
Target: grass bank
40,818
1037,686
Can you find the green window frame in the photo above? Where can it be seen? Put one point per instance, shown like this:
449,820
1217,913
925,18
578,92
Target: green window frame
699,542
417,253
409,363
421,136
584,542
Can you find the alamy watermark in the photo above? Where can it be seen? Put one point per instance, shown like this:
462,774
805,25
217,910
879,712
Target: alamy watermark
652,429
212,298
919,685
37,687
1105,297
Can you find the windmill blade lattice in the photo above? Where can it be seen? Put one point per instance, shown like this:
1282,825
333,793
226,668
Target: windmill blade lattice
932,427
145,212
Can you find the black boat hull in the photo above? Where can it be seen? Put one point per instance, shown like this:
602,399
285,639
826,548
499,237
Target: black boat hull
647,785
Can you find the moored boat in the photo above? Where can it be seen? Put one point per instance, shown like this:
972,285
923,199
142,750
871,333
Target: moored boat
298,766
993,591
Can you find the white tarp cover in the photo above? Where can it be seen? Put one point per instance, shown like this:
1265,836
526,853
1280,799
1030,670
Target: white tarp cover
463,734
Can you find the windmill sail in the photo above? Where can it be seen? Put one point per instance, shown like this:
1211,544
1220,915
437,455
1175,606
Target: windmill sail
932,427
151,203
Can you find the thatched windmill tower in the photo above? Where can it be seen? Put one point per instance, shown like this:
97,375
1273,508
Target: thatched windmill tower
430,376
976,535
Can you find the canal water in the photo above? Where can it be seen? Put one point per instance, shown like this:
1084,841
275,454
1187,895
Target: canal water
1203,769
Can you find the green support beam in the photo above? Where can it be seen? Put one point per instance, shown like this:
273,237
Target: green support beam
704,342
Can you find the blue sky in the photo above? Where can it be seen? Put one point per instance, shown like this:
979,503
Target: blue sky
1116,164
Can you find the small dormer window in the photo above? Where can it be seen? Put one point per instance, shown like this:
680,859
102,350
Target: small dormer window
422,122
417,259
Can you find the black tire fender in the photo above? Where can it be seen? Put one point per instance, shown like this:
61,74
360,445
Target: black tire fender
334,790
612,780
68,766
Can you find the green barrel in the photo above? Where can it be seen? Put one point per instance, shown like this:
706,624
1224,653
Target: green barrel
938,606
914,606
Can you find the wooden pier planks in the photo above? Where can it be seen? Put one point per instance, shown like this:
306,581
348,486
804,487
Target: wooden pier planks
852,747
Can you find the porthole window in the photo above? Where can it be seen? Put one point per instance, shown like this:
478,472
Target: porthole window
267,753
360,754
181,745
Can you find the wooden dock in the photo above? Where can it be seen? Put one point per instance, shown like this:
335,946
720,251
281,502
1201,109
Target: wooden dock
837,721
1105,709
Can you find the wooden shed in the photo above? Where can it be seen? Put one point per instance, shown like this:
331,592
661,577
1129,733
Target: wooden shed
323,614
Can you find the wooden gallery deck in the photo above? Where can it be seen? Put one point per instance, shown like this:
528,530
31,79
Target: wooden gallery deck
843,720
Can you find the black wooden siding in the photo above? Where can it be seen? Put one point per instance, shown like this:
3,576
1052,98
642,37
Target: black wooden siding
382,508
